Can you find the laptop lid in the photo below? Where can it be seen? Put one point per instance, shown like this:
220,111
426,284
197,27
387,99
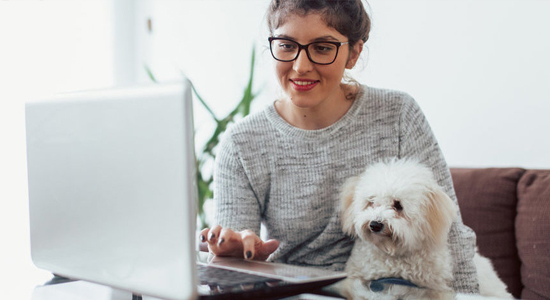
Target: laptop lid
112,192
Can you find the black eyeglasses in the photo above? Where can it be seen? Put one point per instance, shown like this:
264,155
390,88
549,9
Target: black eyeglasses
322,53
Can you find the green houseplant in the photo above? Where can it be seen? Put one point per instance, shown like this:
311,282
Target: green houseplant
207,152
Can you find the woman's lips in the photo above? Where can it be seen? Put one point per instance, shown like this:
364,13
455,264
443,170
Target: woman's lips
302,85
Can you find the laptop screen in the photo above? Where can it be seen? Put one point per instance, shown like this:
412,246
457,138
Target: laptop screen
112,189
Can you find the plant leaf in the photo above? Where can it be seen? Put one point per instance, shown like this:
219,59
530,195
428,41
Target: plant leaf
150,73
199,97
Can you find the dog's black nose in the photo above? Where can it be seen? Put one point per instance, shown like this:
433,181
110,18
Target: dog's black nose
376,226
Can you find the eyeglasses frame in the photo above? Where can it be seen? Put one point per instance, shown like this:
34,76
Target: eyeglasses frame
305,47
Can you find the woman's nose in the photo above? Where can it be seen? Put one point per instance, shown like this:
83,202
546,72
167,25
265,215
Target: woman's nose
302,64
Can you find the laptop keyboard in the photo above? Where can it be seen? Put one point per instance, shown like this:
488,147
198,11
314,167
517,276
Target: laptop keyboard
223,277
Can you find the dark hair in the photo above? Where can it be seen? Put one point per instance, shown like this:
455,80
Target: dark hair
348,17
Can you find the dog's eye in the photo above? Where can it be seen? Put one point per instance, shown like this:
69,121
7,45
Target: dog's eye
397,205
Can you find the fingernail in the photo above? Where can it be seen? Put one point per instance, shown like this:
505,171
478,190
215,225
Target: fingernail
248,254
202,238
221,242
212,236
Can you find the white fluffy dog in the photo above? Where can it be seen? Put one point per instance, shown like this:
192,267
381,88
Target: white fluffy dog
401,218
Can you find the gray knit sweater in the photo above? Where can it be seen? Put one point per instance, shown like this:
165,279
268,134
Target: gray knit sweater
269,172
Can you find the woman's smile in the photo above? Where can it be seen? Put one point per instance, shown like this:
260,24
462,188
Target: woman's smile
303,85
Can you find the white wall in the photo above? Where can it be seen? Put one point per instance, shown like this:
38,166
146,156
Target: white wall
479,69
45,47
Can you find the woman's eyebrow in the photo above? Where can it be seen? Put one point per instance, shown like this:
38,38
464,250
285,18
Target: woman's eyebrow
284,36
326,38
318,39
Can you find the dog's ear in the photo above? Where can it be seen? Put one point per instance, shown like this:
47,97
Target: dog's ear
346,200
441,213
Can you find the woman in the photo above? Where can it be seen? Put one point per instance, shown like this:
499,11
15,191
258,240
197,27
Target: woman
283,166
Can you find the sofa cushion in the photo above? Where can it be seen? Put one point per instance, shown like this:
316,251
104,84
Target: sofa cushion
488,201
533,233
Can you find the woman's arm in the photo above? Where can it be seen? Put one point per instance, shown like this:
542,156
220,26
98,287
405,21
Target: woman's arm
238,210
418,141
237,207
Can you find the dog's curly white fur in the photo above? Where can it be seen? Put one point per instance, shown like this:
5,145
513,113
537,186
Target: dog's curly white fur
401,219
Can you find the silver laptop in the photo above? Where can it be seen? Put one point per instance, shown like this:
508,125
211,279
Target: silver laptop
112,198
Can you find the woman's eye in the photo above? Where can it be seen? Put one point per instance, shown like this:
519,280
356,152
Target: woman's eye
287,46
397,205
324,48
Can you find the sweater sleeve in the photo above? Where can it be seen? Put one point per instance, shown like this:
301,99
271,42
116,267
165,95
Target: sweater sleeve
237,207
416,140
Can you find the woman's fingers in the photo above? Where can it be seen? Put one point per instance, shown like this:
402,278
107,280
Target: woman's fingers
222,241
226,242
213,235
229,243
251,243
203,246
266,249
204,235
226,234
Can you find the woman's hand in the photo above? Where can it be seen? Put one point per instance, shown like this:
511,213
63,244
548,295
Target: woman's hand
226,242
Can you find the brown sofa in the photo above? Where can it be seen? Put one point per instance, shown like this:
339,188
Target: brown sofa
509,209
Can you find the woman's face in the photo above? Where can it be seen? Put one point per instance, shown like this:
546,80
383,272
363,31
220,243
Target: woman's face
308,85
